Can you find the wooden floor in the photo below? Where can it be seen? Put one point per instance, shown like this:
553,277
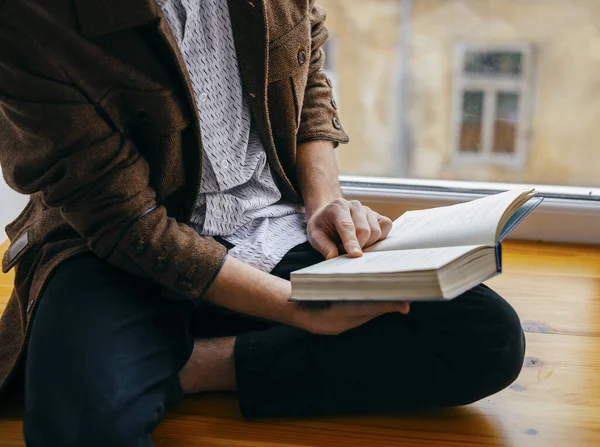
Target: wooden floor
555,401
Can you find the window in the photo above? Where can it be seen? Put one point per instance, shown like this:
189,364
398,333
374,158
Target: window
492,90
445,101
329,67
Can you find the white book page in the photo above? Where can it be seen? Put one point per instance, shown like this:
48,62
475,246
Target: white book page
470,223
388,262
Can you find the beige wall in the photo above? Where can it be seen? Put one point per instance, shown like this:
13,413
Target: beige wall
366,34
564,142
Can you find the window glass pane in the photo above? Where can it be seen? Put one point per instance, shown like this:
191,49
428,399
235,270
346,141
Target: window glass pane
470,128
329,50
400,65
330,64
493,63
505,123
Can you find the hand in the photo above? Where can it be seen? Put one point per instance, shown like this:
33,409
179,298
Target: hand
347,224
341,317
244,289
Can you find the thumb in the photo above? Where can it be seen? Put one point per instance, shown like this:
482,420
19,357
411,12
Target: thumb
403,308
393,307
324,245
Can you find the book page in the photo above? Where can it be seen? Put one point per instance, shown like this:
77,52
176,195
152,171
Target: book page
388,262
470,223
518,216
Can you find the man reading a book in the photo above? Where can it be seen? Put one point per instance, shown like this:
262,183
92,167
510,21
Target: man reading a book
180,162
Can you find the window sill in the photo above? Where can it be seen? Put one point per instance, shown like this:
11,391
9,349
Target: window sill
568,214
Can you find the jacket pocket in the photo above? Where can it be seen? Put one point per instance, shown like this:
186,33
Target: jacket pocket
289,60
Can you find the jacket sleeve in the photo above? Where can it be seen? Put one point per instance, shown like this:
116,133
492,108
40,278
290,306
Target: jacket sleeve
319,119
53,141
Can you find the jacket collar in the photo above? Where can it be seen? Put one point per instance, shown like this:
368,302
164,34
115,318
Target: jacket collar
99,17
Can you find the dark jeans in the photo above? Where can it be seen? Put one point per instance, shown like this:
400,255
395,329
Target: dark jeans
105,352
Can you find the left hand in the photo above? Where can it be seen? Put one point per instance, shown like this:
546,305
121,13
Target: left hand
346,224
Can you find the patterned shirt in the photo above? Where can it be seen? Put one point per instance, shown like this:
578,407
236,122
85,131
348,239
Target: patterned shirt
239,199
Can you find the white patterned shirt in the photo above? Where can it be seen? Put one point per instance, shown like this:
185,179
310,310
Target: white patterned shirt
239,199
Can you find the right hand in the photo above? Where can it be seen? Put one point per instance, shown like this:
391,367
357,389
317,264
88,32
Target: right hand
345,226
341,317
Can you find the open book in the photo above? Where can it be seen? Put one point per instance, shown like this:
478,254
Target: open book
431,254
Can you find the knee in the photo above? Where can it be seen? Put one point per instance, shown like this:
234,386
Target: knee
498,344
505,361
505,335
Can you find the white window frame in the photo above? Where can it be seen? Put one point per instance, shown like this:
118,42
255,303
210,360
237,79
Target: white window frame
567,215
491,85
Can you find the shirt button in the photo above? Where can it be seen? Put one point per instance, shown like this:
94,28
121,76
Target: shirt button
329,83
333,103
336,123
301,57
203,97
30,305
225,164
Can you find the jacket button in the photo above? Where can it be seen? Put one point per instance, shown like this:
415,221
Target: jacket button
185,282
333,103
139,247
251,3
160,264
301,57
336,123
143,117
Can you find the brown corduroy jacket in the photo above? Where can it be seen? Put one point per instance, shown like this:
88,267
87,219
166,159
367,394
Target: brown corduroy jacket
99,126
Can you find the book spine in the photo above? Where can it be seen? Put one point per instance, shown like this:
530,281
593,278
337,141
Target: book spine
499,257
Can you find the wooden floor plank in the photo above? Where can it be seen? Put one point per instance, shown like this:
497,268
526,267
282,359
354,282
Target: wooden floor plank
555,288
551,259
553,304
554,402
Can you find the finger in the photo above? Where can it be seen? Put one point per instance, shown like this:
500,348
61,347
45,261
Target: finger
375,228
344,225
324,245
404,308
361,223
395,306
386,225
